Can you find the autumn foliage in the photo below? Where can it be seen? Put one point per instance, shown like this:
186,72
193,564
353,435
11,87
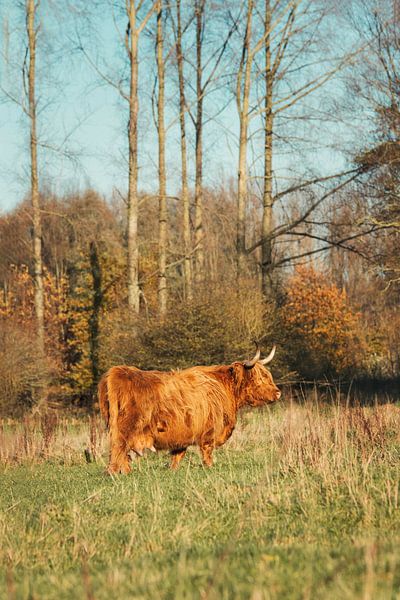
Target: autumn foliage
16,306
88,327
322,331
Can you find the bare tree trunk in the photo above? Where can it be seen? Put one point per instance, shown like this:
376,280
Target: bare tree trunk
242,97
133,250
185,189
94,320
37,226
266,248
198,192
162,234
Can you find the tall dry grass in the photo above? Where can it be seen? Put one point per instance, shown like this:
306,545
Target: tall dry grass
51,436
324,436
302,503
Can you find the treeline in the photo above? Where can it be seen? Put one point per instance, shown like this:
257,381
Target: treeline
326,324
292,250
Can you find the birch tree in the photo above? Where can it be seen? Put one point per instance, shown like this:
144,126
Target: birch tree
187,265
133,31
27,101
243,82
294,65
136,15
32,28
162,177
198,191
208,70
249,50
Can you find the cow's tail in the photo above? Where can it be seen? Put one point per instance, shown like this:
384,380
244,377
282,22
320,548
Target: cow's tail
103,400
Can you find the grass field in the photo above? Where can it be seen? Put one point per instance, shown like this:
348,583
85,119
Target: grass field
303,502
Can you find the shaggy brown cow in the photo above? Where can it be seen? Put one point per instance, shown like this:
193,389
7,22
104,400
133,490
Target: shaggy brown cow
176,409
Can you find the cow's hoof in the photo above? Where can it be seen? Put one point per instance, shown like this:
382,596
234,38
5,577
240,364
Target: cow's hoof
124,470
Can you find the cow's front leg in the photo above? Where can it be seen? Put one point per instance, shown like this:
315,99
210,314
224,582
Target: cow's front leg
206,454
225,435
176,457
119,462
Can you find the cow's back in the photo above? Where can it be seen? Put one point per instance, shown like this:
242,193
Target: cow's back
178,408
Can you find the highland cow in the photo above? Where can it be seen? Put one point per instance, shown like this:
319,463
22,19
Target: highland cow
172,410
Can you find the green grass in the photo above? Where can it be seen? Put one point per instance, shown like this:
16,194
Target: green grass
302,503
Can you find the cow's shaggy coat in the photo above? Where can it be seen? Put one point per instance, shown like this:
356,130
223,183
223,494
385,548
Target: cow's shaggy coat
173,410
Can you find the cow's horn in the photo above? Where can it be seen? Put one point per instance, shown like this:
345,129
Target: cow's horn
270,356
139,452
152,449
249,364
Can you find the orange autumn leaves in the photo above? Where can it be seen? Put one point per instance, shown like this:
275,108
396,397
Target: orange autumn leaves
323,333
17,306
68,311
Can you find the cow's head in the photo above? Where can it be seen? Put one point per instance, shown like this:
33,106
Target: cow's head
255,384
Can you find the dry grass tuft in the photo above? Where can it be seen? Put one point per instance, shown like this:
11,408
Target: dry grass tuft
51,437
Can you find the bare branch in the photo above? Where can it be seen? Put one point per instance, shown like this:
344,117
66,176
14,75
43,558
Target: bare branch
330,243
285,228
102,75
304,184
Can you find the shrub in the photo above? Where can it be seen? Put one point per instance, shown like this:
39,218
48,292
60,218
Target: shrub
214,328
17,305
322,331
21,371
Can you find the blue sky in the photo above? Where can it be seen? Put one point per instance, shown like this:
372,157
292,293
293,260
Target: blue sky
93,118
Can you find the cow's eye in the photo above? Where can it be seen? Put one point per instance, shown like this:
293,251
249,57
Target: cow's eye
231,370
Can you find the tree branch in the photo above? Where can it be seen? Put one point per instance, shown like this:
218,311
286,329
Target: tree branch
283,229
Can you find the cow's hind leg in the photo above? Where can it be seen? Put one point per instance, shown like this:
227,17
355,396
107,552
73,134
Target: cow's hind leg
206,454
176,457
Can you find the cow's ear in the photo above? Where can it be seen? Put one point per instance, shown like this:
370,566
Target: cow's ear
236,372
